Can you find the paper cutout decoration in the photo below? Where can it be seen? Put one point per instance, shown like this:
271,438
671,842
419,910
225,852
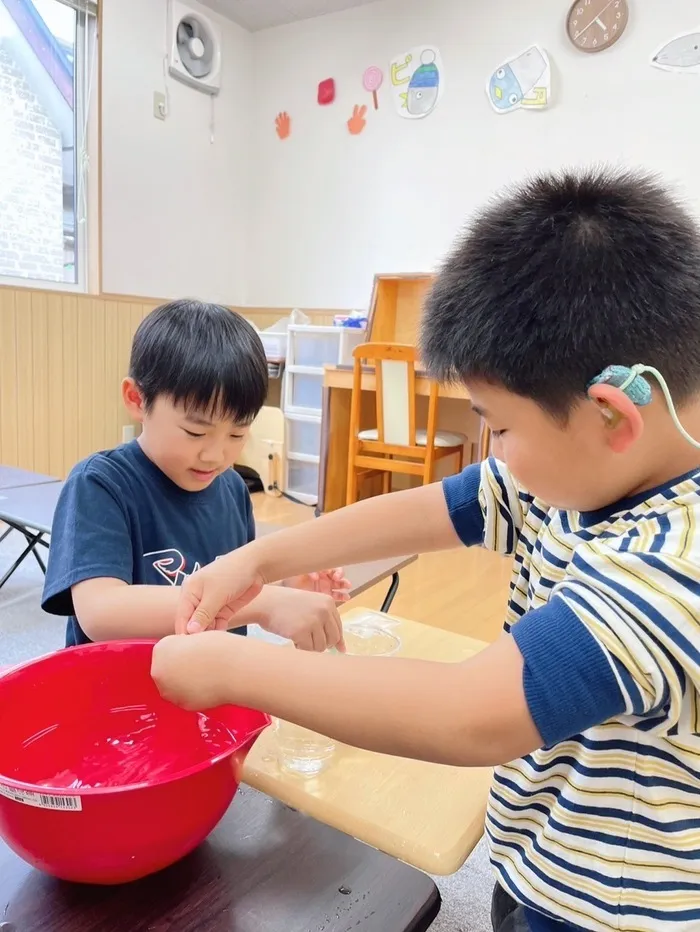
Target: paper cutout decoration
357,121
283,125
681,55
523,81
372,80
417,82
326,92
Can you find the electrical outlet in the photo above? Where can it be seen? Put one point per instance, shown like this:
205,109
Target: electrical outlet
128,433
160,106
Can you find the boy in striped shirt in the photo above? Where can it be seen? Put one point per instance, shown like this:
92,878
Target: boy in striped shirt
571,311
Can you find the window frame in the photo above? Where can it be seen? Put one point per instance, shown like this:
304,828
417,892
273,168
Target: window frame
86,91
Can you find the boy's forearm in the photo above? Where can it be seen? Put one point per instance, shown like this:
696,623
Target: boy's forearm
415,521
120,612
466,714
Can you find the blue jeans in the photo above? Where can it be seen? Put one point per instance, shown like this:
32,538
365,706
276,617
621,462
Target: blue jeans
506,914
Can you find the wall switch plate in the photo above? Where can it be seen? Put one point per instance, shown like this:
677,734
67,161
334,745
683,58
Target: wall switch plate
128,433
160,107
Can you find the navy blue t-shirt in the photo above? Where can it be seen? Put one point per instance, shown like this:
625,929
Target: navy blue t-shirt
119,516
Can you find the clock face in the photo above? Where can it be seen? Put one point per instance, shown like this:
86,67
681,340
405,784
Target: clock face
595,25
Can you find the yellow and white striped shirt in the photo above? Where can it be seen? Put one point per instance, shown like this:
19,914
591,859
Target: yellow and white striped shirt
600,829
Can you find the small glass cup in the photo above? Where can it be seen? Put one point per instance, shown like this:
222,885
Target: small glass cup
302,752
305,753
368,639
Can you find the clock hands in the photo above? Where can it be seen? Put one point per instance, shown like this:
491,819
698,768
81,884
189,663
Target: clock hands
597,18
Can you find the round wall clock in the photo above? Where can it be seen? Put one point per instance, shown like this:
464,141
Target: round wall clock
595,25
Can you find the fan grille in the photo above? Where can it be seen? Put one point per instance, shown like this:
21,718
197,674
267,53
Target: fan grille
195,46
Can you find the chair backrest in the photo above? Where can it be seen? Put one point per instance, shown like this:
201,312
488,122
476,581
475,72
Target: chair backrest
395,372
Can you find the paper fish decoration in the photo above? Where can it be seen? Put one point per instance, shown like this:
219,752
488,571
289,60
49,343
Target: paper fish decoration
681,54
417,82
522,81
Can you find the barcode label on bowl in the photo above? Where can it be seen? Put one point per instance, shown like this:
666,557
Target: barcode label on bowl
42,800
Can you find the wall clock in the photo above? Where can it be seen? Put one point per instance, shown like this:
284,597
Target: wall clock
595,25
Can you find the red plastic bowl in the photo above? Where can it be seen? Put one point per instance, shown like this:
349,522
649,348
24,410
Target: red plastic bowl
77,722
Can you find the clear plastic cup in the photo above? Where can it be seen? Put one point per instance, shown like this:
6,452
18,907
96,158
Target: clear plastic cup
367,639
305,753
300,751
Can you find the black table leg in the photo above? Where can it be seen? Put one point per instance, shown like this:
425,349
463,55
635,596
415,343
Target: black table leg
393,589
32,541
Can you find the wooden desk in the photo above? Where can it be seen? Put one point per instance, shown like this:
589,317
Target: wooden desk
337,394
341,377
427,815
265,867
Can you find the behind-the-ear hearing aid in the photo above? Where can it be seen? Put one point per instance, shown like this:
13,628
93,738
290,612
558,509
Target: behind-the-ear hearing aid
631,381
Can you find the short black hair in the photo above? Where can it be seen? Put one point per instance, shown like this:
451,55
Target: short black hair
563,276
204,356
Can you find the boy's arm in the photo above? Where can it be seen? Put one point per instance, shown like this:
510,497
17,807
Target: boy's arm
413,521
465,714
110,609
547,682
417,520
481,505
616,642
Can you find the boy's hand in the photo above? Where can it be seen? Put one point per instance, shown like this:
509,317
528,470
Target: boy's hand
309,619
330,582
211,597
192,672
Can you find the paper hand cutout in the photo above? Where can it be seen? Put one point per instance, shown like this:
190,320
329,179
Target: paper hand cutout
357,121
283,125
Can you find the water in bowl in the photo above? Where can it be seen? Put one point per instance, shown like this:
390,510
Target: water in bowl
126,746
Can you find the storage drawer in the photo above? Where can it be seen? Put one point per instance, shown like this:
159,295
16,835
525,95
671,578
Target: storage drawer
303,435
302,480
305,390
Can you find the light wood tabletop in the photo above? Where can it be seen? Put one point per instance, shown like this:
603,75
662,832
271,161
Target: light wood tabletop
427,815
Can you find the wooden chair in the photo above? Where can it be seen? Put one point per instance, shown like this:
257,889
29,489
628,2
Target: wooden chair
395,445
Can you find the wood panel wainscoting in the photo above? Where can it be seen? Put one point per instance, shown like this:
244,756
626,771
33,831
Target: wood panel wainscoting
62,358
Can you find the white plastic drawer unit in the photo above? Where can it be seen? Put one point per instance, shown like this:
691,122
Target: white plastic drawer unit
313,346
302,477
303,435
274,344
309,349
303,391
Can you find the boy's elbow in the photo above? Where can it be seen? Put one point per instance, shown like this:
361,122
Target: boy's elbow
94,608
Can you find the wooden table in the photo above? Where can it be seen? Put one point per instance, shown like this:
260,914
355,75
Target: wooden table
427,815
362,576
337,395
265,868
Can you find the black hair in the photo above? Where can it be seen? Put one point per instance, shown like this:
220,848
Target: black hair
565,275
204,356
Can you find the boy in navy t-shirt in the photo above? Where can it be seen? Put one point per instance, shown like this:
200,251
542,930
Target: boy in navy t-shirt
132,523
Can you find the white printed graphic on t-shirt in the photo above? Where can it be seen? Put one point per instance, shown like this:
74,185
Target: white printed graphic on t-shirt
172,565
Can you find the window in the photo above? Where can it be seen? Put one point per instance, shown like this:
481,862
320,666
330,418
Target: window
47,59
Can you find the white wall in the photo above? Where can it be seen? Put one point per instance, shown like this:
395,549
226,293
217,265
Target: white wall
330,210
174,206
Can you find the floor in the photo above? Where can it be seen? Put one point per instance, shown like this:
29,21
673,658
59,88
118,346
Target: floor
462,591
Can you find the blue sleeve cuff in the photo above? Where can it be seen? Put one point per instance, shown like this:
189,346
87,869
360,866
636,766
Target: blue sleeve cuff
462,497
568,680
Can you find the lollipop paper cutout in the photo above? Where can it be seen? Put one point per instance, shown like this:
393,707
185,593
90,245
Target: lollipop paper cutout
372,81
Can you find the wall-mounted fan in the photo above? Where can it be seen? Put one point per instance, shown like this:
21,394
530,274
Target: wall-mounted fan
195,47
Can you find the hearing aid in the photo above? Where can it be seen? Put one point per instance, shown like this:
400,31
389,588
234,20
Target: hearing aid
631,381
